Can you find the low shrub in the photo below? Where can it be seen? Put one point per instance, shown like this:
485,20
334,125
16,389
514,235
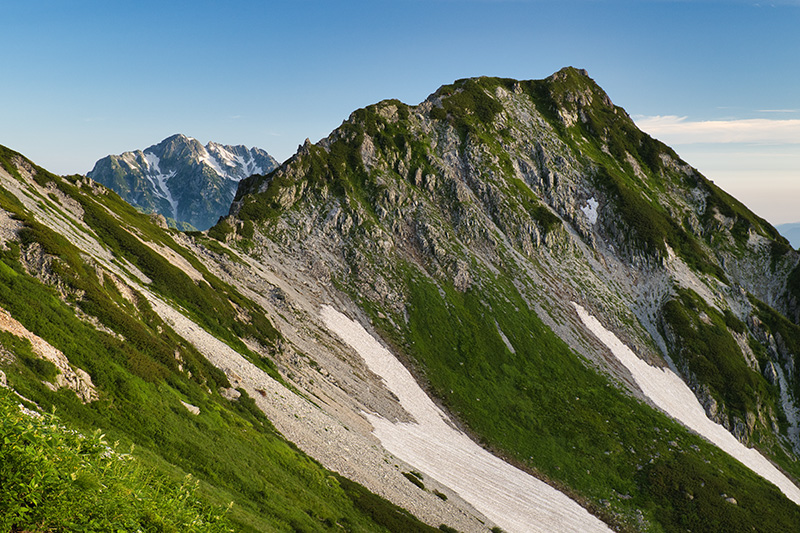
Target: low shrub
54,479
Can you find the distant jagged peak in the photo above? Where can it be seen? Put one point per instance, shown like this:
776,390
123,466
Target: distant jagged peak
181,178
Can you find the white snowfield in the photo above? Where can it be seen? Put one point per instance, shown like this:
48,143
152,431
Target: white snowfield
674,397
225,163
159,181
590,210
237,166
514,500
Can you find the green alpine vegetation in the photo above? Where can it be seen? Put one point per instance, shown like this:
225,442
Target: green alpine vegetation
56,479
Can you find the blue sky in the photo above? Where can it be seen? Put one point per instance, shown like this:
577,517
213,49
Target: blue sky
718,80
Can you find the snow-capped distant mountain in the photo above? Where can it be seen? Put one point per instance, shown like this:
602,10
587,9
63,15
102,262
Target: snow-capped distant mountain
182,179
792,232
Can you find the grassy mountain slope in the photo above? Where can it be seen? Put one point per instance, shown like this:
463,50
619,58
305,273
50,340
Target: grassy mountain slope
75,268
463,228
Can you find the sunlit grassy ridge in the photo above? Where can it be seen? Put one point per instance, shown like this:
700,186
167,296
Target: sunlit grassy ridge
143,371
567,422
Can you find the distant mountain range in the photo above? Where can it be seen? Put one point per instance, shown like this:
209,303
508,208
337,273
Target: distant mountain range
792,232
181,179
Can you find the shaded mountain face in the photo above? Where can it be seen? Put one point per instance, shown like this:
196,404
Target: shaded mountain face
182,179
544,269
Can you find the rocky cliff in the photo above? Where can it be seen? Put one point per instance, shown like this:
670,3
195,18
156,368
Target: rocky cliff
550,179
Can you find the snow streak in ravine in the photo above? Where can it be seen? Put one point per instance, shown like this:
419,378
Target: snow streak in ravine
670,394
513,499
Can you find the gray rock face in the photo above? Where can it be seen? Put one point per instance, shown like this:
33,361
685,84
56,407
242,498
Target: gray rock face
511,198
552,181
181,179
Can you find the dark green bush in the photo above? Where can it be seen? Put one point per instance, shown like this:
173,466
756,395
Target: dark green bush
385,513
220,230
415,479
691,497
712,354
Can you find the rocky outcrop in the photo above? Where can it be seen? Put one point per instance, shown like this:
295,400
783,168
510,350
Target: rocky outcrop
68,376
466,226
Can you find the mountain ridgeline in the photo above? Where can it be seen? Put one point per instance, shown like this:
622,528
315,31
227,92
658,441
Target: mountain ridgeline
496,196
181,179
469,237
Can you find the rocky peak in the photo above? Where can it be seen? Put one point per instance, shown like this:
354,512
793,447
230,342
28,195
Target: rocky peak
488,172
190,184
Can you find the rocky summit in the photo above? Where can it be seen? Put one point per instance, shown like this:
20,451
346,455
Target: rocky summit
181,179
505,308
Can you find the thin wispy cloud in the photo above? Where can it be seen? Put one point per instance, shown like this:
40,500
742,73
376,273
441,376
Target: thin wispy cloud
679,130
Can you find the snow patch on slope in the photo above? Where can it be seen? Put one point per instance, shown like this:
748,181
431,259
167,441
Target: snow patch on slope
514,500
207,158
590,210
336,446
670,394
153,162
236,166
505,339
129,158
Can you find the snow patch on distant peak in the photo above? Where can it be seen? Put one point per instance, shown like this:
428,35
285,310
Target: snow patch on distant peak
163,187
153,162
230,164
130,159
590,210
244,165
222,154
207,158
249,167
670,394
159,180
